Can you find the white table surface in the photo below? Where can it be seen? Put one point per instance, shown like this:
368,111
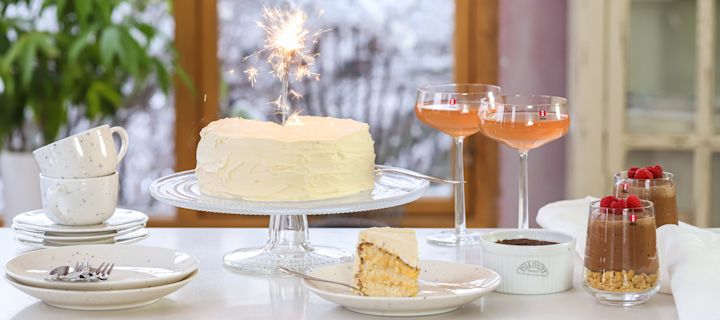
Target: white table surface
219,294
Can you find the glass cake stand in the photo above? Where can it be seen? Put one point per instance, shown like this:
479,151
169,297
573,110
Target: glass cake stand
288,243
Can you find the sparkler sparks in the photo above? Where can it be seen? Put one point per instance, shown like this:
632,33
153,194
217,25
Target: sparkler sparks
296,95
251,73
287,50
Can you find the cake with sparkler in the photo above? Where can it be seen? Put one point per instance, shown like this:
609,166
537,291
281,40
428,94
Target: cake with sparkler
308,158
301,158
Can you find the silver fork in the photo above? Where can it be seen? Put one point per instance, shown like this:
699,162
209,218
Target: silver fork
81,272
309,277
103,271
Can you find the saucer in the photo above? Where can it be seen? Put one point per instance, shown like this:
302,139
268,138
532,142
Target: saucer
124,239
476,281
101,300
134,266
73,236
121,219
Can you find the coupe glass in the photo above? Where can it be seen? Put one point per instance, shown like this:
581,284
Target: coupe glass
524,122
452,109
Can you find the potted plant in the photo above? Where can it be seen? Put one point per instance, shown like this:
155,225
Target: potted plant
88,62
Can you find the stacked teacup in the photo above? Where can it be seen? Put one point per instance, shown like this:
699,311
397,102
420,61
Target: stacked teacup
79,184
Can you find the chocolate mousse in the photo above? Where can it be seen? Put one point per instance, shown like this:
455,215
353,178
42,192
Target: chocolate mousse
652,184
525,242
620,252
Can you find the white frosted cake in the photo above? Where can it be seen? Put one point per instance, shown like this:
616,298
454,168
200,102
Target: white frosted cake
386,264
307,159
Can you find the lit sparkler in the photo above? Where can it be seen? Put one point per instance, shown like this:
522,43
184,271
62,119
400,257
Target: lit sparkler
288,50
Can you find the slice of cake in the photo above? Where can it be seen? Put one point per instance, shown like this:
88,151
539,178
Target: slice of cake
311,158
386,264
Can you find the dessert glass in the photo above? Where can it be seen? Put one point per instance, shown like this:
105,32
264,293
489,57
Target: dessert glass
661,192
621,264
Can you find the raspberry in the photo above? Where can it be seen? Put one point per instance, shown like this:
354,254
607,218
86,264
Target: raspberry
607,201
631,172
618,206
633,202
657,171
643,173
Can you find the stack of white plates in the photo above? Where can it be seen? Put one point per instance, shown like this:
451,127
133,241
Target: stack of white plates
35,229
141,276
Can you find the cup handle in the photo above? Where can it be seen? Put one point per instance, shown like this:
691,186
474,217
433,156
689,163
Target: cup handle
124,139
51,198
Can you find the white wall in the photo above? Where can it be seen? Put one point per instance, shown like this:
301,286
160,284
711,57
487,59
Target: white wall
533,60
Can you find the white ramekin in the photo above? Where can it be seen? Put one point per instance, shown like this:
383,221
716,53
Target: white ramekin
530,269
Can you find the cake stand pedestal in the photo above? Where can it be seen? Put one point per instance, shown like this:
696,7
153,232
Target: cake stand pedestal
288,242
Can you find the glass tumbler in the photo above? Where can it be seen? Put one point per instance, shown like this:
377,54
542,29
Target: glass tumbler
621,263
660,191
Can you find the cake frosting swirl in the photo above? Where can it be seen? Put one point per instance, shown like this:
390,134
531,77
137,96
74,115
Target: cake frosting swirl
309,158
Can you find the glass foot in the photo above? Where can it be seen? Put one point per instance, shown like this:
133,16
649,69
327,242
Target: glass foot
260,260
450,239
623,299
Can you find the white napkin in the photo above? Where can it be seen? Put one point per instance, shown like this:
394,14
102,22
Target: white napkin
689,256
692,258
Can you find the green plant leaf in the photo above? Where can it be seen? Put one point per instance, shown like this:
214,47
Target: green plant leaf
28,59
12,54
92,100
107,92
77,46
46,43
147,30
109,45
162,75
130,58
83,9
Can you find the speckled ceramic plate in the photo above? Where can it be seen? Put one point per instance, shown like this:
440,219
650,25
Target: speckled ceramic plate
444,287
71,236
101,300
129,238
121,219
135,266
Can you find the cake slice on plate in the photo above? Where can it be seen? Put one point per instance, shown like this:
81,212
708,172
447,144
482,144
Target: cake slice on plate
386,264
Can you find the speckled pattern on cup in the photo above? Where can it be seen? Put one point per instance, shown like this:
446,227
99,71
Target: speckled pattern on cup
77,202
87,154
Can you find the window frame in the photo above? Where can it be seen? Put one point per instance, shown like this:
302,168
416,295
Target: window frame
476,60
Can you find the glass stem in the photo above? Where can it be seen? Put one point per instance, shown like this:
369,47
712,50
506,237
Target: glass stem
459,175
288,234
523,209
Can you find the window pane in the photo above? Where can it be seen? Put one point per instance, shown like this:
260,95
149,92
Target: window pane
681,165
661,66
370,64
149,119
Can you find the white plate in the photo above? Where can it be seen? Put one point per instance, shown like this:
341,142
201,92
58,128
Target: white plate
74,237
124,239
135,266
101,300
476,281
121,219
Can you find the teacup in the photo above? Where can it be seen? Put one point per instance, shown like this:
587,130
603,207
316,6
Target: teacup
78,202
87,154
